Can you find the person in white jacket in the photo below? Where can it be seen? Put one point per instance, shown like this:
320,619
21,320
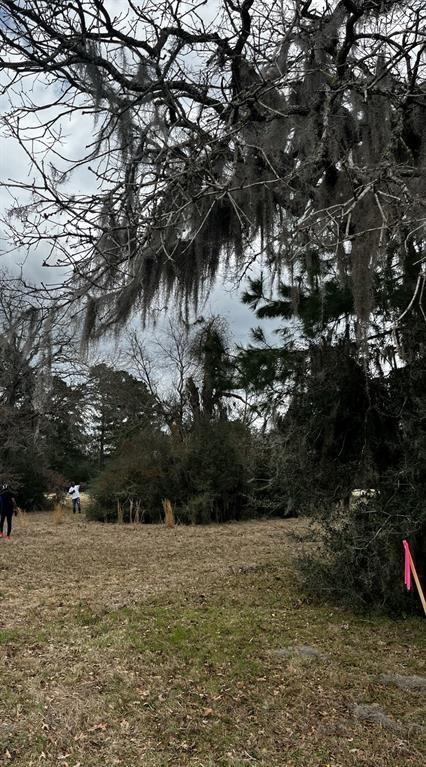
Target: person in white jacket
74,492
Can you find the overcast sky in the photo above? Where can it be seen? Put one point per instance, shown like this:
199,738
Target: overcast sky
225,298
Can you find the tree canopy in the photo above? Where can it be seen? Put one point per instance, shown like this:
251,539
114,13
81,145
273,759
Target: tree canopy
219,131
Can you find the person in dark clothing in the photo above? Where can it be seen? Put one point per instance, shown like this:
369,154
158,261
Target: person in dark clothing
7,510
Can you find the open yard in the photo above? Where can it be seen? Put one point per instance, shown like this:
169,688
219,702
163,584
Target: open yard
193,646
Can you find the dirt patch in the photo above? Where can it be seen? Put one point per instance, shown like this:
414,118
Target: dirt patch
373,713
414,683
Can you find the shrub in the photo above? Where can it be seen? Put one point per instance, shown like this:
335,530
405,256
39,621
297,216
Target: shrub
216,465
138,473
359,561
205,476
199,510
381,445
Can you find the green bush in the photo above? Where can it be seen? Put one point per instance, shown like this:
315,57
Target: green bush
205,475
350,430
359,561
216,468
198,510
142,472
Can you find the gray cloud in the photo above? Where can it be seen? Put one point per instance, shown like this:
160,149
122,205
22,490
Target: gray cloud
77,133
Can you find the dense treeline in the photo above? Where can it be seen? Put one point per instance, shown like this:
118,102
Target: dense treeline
172,429
191,445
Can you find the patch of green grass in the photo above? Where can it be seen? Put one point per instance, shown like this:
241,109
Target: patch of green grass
22,638
9,636
86,617
195,637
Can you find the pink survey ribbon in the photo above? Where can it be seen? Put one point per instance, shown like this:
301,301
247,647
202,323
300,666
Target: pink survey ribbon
407,567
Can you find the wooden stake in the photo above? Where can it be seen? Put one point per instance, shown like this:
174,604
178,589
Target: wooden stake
168,513
417,582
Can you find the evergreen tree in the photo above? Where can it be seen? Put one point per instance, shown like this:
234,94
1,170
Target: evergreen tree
216,373
66,431
118,407
347,416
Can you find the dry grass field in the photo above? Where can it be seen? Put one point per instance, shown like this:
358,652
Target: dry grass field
154,647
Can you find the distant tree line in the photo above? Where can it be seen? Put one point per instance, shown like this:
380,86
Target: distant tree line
171,428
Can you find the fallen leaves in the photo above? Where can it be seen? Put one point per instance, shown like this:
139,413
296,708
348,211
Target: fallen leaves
87,606
100,726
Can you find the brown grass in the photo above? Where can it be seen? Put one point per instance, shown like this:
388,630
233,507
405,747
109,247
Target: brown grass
58,514
21,519
124,645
